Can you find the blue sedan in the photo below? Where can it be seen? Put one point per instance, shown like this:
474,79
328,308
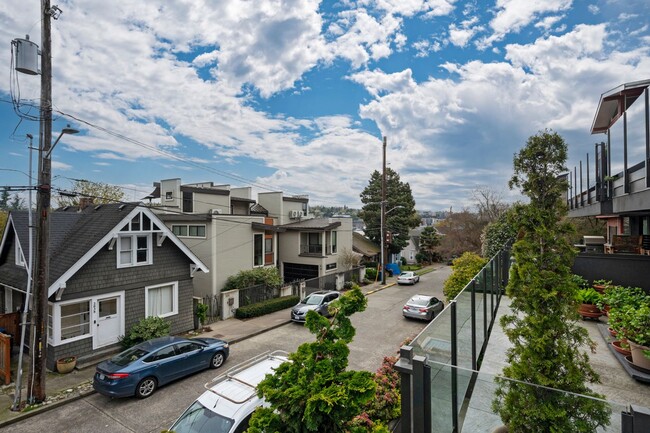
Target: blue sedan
141,369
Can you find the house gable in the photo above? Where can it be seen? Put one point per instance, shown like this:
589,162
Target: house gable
158,231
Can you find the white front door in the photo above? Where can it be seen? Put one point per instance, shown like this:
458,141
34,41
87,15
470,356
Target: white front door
108,319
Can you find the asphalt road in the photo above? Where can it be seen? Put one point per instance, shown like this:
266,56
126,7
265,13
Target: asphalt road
381,329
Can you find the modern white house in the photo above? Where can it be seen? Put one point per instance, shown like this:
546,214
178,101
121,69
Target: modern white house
231,232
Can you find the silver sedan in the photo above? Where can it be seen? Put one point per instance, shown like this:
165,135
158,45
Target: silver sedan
423,307
408,277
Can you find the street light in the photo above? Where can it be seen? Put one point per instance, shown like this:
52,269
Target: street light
41,270
66,130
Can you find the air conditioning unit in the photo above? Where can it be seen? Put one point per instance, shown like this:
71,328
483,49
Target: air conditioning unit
295,214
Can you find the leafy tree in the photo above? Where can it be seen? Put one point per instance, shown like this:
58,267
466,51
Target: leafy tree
429,241
497,233
3,221
253,277
465,268
4,198
100,192
546,349
315,392
399,201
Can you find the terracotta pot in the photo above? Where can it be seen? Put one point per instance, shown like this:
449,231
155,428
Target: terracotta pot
612,332
620,349
638,358
589,310
599,288
66,365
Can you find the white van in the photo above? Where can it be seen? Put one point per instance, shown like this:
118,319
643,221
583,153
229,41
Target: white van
230,399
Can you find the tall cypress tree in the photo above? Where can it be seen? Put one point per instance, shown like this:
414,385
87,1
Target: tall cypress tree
547,342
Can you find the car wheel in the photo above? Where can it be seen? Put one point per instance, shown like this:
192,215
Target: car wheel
146,387
217,360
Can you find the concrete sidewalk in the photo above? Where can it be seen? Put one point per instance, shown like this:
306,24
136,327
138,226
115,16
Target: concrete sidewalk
64,388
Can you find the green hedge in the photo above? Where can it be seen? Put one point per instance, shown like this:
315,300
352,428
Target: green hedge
266,307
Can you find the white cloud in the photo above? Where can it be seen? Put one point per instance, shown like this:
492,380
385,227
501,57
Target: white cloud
513,15
594,9
377,82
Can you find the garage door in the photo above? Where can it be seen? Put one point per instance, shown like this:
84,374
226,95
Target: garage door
297,271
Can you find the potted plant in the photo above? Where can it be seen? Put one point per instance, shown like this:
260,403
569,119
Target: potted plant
602,285
66,364
588,300
637,330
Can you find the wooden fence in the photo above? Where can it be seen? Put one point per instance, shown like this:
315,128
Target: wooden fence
5,358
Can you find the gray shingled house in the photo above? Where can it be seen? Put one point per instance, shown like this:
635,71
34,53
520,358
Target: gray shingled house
110,266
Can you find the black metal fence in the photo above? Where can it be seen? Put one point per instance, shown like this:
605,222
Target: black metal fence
262,292
456,339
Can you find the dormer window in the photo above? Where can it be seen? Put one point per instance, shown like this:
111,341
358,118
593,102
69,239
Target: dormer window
134,243
169,195
134,250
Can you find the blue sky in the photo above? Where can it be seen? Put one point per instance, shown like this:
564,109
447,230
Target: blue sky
296,95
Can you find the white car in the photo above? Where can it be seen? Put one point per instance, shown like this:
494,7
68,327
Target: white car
408,277
230,399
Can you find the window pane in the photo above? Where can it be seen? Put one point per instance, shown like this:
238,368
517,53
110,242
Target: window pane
142,253
161,301
146,223
135,223
268,245
258,248
333,242
107,307
75,320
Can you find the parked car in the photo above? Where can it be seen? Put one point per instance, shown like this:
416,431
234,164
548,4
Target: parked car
317,301
408,277
230,399
423,307
141,369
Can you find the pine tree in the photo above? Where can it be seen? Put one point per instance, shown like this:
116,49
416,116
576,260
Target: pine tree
399,201
547,343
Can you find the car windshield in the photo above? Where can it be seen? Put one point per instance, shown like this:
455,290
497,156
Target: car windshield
420,302
313,300
405,274
198,419
128,356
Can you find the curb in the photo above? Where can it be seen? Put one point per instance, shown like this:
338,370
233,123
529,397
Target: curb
44,408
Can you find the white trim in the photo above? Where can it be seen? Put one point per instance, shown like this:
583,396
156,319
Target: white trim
174,311
55,340
115,231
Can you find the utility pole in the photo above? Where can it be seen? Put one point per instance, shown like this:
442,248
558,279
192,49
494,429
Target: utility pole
41,278
383,215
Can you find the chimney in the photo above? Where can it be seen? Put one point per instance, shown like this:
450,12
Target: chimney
84,202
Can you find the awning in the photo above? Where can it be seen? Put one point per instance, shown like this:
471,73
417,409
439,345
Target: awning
613,104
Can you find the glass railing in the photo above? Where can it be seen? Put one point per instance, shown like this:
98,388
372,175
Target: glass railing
478,415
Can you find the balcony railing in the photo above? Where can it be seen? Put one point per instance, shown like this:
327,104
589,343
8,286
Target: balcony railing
442,387
311,249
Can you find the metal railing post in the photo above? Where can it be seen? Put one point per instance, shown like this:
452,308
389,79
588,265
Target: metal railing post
473,318
404,366
420,387
454,371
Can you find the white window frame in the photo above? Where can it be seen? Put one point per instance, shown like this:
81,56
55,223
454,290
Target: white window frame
19,256
169,195
334,240
134,249
55,339
174,311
